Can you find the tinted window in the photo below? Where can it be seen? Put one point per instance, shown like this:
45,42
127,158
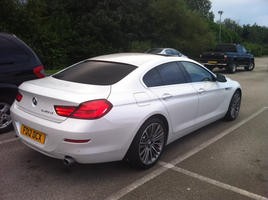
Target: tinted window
154,51
11,53
171,73
166,74
244,50
225,48
96,73
175,52
196,72
239,49
168,51
152,78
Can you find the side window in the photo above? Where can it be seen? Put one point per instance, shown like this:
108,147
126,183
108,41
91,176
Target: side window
175,52
244,50
166,74
11,53
168,52
152,78
196,72
171,73
239,49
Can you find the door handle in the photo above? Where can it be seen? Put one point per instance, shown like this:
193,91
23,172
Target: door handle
166,96
201,91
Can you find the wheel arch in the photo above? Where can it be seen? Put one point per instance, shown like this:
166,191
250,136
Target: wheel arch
164,120
9,90
234,59
131,156
158,116
239,89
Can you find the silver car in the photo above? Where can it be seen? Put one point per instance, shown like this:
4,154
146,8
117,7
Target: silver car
166,51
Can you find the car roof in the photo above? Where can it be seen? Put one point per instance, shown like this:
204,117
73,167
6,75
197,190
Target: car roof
137,59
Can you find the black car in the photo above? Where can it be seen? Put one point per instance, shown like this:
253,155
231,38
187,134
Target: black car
18,63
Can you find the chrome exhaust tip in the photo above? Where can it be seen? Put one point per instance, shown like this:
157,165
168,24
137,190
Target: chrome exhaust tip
68,160
15,134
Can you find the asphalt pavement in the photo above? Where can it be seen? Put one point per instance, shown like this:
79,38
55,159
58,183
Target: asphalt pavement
224,160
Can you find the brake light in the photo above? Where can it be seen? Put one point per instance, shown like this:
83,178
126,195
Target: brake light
19,97
64,111
39,71
87,110
225,57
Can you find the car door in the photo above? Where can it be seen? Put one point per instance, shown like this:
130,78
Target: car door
240,56
247,56
211,94
180,98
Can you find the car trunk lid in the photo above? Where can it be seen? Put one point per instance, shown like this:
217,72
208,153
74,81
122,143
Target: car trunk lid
40,96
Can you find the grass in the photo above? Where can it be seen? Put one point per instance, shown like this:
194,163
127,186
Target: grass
52,71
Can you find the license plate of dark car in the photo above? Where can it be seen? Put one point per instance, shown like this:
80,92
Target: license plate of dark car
212,61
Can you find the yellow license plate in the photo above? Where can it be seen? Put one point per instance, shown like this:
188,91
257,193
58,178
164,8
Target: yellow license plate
212,62
33,134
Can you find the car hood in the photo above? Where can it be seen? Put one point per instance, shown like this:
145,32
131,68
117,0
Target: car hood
48,92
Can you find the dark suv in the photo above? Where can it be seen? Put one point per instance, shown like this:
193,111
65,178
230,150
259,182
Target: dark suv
18,63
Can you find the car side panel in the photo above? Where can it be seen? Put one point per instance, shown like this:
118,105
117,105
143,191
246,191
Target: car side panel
181,101
211,97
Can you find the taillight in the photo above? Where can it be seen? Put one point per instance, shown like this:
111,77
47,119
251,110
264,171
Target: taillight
87,110
19,97
39,71
225,57
64,111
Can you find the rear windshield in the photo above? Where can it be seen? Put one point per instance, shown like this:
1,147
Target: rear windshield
10,53
225,48
96,73
153,51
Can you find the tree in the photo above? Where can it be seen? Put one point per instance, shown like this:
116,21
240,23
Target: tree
202,7
9,15
176,26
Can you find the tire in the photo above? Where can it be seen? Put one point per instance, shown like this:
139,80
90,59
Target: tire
148,144
234,106
209,67
232,67
5,118
250,67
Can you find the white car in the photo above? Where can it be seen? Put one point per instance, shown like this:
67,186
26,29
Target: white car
121,106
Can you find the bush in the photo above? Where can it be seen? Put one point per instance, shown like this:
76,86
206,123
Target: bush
256,49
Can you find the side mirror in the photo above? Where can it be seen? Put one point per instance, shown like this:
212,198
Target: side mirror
221,78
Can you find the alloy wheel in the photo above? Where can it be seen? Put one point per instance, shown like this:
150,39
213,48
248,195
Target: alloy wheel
151,143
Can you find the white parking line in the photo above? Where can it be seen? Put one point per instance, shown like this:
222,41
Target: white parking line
176,161
8,140
214,182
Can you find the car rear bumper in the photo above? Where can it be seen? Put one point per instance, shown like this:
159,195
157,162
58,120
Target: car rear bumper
108,141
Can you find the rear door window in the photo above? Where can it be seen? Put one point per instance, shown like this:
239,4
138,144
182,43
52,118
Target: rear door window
165,74
10,53
96,72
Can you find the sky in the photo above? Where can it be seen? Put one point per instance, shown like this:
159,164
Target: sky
244,12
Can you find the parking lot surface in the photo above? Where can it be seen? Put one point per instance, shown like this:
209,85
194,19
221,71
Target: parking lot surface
224,160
